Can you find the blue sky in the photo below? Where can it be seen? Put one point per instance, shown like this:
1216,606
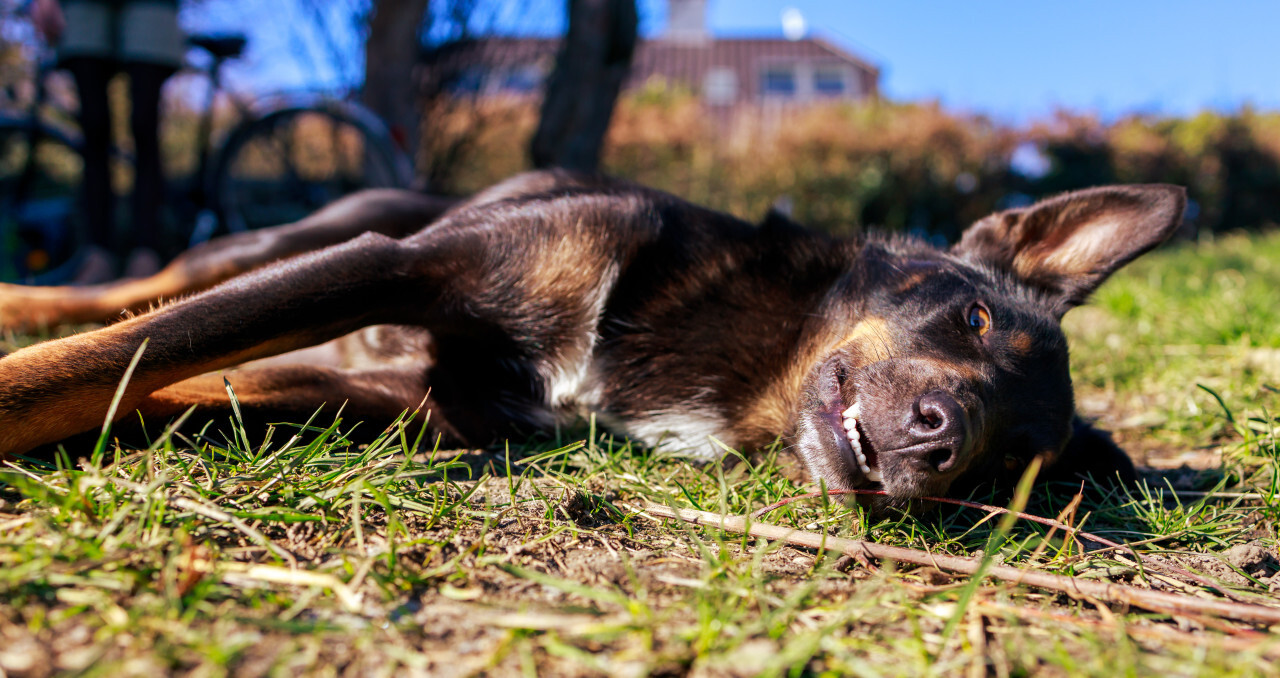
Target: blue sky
1016,61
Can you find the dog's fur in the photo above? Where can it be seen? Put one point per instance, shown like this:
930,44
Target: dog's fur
552,295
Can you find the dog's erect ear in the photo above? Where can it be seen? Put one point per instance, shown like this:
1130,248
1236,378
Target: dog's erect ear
1069,244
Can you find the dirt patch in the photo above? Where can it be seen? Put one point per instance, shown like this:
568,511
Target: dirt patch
1238,565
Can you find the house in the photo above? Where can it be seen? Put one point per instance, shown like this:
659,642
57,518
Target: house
725,72
736,71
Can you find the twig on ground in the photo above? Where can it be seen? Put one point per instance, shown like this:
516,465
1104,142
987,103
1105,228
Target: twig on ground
270,574
1069,529
1243,641
1157,601
11,521
1164,568
1066,517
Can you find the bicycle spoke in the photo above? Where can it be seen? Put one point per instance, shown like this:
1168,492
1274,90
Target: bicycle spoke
281,168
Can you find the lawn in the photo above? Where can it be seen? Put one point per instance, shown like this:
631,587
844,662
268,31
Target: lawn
217,553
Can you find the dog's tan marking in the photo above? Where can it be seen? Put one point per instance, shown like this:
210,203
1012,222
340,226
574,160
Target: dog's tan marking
911,281
1021,342
869,341
966,371
775,408
575,286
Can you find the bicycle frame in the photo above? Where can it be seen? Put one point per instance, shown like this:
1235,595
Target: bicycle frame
201,204
214,160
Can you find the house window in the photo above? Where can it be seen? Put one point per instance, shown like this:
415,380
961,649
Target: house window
468,81
778,81
720,86
522,80
829,82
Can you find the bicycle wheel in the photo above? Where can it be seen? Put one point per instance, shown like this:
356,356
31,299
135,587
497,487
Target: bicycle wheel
40,171
292,161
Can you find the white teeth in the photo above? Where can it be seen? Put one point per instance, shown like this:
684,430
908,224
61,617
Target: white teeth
855,442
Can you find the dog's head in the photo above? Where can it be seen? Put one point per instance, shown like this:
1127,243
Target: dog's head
947,369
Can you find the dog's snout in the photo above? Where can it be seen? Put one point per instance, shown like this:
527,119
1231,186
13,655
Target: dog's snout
937,415
939,428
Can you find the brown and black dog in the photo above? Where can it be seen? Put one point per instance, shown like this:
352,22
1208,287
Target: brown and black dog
884,360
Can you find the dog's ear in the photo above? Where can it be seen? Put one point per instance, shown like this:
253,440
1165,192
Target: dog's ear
1091,453
1069,244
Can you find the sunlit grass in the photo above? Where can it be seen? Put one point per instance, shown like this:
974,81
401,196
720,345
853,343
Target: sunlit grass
300,552
1186,317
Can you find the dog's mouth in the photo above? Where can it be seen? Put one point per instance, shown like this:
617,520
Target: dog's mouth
850,439
865,454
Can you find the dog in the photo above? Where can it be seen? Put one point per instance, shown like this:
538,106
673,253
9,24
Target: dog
883,361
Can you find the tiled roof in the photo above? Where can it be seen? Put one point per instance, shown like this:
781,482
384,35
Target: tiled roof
682,62
689,62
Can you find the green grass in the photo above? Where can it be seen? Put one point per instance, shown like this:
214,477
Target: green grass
301,553
1170,324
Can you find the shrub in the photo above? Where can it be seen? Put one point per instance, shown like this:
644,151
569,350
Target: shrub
842,167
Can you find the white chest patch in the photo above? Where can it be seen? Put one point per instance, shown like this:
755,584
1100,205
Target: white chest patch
570,383
574,386
687,432
568,377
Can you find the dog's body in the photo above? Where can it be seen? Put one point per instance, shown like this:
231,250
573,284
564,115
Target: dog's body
883,360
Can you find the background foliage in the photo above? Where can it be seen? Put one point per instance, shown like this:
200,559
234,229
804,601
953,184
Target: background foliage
902,166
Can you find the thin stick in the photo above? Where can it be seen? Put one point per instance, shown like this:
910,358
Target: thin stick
1110,545
271,574
1244,641
1171,570
1157,601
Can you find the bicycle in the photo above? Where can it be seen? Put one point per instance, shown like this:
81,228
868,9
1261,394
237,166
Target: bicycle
284,157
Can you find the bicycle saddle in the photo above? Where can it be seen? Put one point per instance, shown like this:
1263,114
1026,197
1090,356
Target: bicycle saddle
226,46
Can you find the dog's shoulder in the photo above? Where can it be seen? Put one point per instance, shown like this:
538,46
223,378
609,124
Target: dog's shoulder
562,200
554,184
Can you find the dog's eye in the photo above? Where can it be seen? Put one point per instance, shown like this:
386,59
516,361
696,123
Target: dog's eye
980,319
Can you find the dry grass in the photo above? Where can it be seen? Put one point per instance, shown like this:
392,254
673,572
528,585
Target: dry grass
302,554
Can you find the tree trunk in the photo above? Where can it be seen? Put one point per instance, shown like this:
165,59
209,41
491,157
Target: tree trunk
581,92
390,54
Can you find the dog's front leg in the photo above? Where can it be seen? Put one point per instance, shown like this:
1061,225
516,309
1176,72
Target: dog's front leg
390,212
58,388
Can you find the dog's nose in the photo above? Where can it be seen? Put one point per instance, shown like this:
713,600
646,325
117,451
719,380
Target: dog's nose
939,419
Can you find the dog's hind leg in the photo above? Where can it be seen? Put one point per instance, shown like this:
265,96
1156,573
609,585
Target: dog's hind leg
393,213
368,401
292,393
52,390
